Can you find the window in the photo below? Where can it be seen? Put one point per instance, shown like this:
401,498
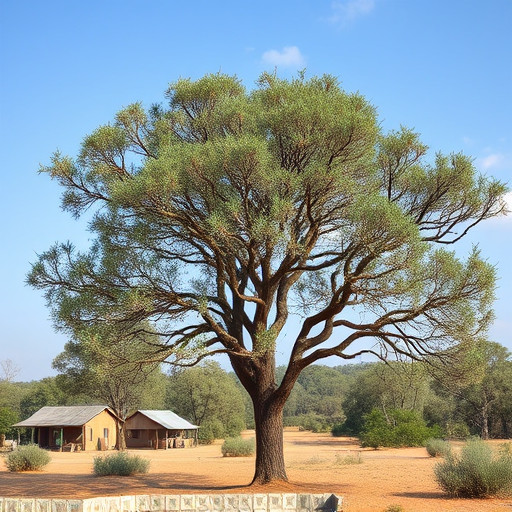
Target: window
105,433
90,433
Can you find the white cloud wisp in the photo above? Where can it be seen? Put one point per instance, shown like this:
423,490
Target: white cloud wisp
289,56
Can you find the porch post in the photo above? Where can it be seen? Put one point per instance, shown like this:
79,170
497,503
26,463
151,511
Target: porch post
61,438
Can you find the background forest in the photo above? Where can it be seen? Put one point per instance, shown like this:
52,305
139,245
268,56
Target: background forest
471,399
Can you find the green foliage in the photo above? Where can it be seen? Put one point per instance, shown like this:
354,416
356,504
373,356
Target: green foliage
217,214
438,447
338,430
27,458
121,464
394,508
401,428
396,385
7,418
477,472
376,430
210,430
238,447
456,430
41,393
313,422
210,398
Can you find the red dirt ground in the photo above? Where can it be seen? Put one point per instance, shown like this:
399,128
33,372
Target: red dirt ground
316,463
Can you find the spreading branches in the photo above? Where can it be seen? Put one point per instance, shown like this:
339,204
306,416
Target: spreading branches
224,211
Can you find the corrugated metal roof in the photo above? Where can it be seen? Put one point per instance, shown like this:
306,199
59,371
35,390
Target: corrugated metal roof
169,420
66,416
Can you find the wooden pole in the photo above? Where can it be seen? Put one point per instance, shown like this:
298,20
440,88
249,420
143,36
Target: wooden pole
61,438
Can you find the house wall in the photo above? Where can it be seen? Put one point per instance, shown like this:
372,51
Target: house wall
95,432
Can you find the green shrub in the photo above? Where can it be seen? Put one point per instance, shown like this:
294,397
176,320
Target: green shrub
477,472
456,430
401,428
338,430
121,464
238,447
438,447
234,426
394,508
28,458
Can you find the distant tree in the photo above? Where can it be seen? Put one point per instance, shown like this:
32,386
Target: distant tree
386,387
8,418
100,367
207,395
221,214
487,403
8,370
41,393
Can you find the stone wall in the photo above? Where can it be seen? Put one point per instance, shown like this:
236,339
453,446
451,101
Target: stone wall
181,503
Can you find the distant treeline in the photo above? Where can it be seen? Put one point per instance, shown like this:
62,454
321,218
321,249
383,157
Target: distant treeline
475,399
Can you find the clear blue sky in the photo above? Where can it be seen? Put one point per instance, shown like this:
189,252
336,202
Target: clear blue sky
441,67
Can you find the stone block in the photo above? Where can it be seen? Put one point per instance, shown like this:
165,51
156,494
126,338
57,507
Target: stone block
245,503
75,505
43,506
290,502
231,502
112,504
260,502
96,505
203,503
217,502
275,502
26,505
172,503
11,505
142,502
157,503
187,503
304,503
59,505
127,504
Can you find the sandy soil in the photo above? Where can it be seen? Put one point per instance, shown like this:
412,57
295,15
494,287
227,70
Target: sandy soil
315,463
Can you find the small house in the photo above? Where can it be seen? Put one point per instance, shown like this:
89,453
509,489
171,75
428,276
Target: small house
159,430
73,428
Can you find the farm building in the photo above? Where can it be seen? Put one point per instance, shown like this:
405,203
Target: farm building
159,430
79,427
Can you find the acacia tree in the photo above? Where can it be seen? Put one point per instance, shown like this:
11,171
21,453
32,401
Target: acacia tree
223,212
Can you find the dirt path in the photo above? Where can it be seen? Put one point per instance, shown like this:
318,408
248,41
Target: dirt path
315,463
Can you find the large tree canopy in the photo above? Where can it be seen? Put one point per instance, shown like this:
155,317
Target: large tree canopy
223,212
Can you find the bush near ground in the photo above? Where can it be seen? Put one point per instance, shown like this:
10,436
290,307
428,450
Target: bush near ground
238,447
27,458
438,447
400,428
478,472
121,464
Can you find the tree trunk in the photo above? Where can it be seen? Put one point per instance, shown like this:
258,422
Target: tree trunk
269,444
485,420
121,436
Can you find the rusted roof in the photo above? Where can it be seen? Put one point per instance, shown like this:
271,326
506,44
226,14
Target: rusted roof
167,419
66,416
